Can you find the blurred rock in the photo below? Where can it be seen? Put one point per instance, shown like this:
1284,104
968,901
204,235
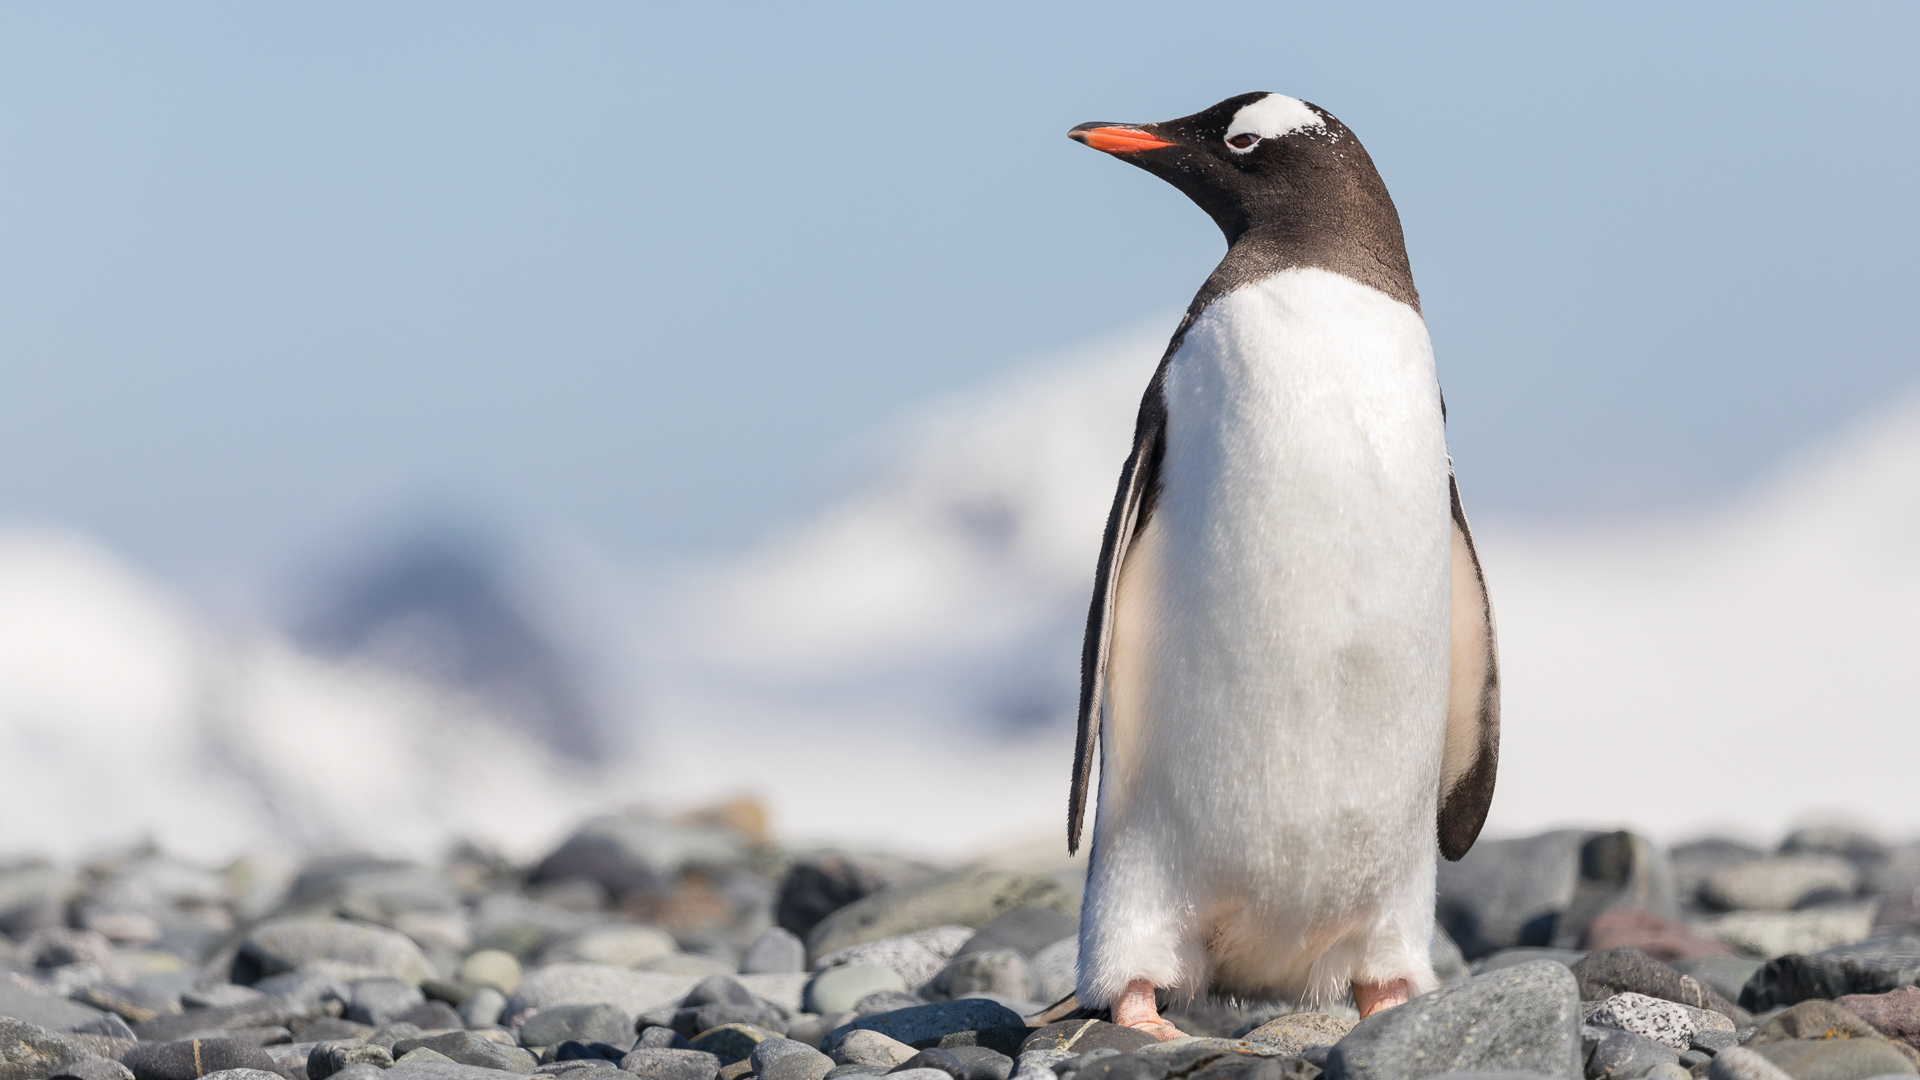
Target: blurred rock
776,950
1794,978
1026,930
1054,970
1861,848
33,896
579,1023
1836,1059
667,1064
862,1047
1652,933
1614,1054
491,967
1694,862
624,945
917,957
42,1010
1604,974
637,854
483,1007
817,887
1781,882
376,1001
93,1067
1724,975
1775,933
469,1048
286,944
970,898
634,992
993,971
329,1058
1616,871
1895,1014
1507,893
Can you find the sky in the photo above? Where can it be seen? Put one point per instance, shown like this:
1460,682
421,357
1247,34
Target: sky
273,274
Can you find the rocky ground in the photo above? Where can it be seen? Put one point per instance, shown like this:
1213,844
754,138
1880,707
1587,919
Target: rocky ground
646,948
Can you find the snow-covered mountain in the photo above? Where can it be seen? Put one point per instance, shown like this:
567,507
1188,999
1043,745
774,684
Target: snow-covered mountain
900,667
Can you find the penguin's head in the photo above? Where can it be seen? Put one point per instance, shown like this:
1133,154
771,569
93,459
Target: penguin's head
1250,161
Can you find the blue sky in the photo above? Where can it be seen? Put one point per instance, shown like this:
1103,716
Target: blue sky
271,273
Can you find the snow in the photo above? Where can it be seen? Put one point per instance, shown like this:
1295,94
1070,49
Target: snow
899,669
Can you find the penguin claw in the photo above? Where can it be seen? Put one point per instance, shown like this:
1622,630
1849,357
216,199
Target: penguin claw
1136,1009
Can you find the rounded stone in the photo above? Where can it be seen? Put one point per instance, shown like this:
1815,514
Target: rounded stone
839,989
491,967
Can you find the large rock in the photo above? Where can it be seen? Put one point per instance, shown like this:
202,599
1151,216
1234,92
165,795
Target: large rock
1895,1014
1507,893
285,944
637,854
777,951
970,898
924,1026
663,1063
992,971
1524,1019
31,1052
1816,1020
840,989
1026,930
1780,882
635,992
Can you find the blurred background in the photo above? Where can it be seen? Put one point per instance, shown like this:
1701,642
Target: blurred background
428,423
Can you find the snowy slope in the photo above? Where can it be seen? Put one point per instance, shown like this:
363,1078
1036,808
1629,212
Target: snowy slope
900,668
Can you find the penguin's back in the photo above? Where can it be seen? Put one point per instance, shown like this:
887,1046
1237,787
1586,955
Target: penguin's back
1277,690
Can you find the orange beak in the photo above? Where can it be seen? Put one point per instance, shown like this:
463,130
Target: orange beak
1115,139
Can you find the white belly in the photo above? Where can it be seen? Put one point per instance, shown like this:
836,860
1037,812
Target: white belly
1277,689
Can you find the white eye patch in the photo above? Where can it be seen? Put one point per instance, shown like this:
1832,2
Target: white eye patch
1269,118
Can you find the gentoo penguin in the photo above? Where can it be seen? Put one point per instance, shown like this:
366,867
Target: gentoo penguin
1289,667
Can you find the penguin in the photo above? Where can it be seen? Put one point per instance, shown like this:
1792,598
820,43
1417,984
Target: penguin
1290,673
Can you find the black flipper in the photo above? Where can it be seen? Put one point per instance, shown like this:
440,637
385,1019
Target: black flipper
1472,754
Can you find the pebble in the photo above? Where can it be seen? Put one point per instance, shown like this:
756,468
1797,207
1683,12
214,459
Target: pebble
1295,1032
1523,1018
491,967
483,1007
581,1023
94,1067
1613,1054
776,951
1667,1022
1740,1063
732,1042
1836,1059
469,1048
191,1058
1776,933
328,1058
635,992
1779,882
917,956
924,1025
971,898
621,946
864,1047
659,1063
1601,975
377,1001
285,944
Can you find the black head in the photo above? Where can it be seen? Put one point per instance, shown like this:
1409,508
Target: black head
1277,174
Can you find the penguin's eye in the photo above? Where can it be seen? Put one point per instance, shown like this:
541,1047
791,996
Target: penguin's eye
1243,141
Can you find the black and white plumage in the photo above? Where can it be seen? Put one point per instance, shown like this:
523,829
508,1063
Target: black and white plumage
1289,671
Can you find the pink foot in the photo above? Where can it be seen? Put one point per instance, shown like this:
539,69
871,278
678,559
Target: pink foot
1370,998
1135,1009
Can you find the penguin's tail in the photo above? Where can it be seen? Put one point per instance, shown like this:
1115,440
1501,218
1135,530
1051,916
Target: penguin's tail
1067,1008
